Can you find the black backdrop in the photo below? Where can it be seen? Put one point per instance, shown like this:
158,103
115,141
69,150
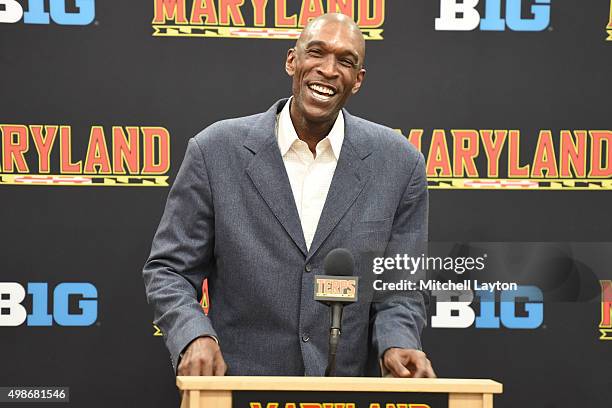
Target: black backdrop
114,72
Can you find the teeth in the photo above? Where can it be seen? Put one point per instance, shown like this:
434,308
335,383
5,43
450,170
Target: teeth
322,89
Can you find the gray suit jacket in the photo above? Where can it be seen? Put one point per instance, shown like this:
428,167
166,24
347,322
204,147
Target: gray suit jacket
231,217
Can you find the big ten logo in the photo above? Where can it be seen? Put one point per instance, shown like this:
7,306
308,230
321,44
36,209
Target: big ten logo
517,309
14,313
63,12
456,15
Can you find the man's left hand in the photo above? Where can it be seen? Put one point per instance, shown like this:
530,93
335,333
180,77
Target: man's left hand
407,363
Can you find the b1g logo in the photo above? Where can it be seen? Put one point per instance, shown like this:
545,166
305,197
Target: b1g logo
11,11
13,313
457,15
454,310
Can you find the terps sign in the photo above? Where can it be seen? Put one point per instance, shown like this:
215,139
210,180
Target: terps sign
120,156
83,12
270,19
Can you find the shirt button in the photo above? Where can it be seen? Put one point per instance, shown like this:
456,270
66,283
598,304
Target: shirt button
308,268
305,337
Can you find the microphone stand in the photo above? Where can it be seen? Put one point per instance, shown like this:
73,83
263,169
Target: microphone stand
334,338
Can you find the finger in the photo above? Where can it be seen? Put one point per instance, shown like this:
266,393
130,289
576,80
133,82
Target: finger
420,369
420,363
220,367
394,364
185,365
430,373
193,367
206,367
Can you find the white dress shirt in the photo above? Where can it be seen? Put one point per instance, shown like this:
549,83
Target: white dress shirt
310,176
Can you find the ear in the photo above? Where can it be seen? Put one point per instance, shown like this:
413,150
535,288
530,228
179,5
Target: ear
360,78
290,62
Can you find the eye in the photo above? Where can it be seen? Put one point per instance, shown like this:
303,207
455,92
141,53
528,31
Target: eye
347,63
315,52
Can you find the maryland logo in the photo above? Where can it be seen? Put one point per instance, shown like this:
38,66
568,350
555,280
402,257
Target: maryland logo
269,19
605,327
500,159
120,156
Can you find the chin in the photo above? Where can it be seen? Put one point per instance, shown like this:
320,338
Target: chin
314,113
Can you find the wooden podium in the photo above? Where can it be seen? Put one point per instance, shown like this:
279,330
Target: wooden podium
217,392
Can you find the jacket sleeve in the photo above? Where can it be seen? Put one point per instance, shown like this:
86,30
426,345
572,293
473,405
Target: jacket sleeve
180,254
398,317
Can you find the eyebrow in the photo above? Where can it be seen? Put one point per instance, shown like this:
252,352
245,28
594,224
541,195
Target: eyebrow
323,44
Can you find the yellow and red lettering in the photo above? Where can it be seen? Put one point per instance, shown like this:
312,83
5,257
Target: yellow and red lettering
606,304
465,149
14,146
545,158
124,151
150,136
371,18
601,158
268,405
415,138
280,15
438,157
229,11
514,167
204,9
346,7
259,11
309,405
573,154
66,164
311,9
169,10
493,147
43,143
97,153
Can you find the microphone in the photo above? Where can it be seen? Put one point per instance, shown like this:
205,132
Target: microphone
335,289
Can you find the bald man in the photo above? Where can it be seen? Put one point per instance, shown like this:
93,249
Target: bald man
256,206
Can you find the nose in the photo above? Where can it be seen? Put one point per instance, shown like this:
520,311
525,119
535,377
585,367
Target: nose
327,67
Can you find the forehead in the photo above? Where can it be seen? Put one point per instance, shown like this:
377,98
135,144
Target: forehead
335,35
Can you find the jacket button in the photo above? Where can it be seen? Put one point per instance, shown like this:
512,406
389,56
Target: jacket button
308,268
305,337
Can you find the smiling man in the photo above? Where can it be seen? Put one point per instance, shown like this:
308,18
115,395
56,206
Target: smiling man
260,201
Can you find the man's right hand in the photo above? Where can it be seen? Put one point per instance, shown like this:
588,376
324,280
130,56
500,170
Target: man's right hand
202,357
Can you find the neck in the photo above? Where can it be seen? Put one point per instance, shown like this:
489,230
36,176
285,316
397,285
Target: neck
310,132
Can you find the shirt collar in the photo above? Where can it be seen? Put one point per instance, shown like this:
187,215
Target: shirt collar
287,135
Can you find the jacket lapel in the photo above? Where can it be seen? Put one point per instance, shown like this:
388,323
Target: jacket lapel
349,179
268,173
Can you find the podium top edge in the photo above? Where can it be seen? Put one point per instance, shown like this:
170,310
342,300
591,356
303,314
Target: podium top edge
354,384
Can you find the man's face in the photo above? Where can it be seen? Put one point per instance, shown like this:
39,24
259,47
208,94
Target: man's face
326,70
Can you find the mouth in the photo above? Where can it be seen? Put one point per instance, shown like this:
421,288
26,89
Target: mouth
322,92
